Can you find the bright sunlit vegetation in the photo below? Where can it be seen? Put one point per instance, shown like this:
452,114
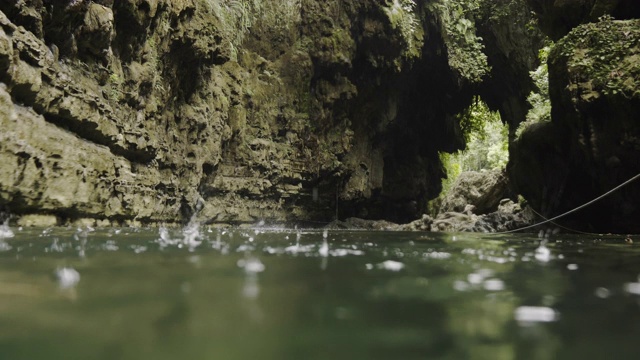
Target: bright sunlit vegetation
539,99
487,144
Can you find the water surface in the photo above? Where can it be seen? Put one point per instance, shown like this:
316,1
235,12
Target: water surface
262,293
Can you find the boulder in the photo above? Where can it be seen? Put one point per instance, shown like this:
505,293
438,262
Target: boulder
483,190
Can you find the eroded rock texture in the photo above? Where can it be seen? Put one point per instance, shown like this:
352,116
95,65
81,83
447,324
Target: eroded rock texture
155,110
592,144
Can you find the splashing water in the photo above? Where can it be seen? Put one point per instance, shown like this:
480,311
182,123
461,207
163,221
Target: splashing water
543,254
251,265
391,265
324,248
535,314
5,230
67,277
191,236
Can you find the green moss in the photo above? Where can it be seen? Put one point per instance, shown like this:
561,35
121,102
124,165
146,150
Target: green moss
604,57
404,19
465,50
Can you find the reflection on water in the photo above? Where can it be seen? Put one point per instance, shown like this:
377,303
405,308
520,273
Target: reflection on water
273,293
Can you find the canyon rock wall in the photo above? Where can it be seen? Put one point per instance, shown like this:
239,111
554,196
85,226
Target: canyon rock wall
591,145
153,111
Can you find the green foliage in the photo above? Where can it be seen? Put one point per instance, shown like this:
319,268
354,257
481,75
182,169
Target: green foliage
487,145
605,55
465,49
115,87
403,17
539,98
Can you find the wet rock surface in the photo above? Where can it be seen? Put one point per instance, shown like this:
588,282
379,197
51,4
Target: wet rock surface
591,145
141,111
482,190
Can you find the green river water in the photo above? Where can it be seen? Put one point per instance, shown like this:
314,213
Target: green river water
262,293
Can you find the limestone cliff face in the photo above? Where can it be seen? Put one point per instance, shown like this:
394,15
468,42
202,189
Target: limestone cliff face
155,110
557,18
592,144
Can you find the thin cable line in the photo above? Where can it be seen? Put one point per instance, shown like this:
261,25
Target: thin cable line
562,226
574,210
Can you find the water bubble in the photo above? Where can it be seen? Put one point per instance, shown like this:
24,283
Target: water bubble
632,288
345,252
110,245
460,285
494,285
535,314
55,246
602,293
191,236
138,249
164,235
5,230
391,265
543,254
251,265
251,288
474,278
436,255
324,248
67,277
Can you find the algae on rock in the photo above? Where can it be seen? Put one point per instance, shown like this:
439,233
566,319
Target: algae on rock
237,111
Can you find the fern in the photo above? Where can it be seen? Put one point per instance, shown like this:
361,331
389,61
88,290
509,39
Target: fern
465,50
403,17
